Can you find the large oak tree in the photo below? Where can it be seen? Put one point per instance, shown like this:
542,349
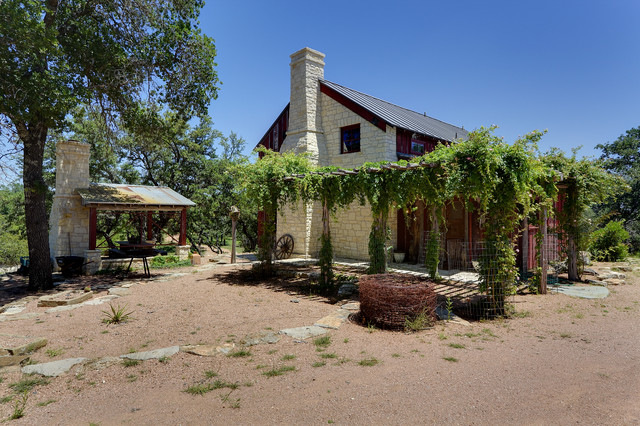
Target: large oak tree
119,54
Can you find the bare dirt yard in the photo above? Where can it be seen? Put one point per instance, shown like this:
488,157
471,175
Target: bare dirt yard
558,360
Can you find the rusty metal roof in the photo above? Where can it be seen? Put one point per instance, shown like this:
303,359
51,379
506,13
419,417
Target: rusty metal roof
133,196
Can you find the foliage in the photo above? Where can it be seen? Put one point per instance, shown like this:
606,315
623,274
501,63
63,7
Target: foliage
168,262
607,244
55,55
116,315
264,182
585,183
420,322
622,158
432,254
13,241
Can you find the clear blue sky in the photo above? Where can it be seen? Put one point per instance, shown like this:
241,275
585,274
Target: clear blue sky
571,67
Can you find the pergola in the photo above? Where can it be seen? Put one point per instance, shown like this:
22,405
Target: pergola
133,198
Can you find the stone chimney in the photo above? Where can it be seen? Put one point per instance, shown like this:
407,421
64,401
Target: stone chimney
69,220
305,123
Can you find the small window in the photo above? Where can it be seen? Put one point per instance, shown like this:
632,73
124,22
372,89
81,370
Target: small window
417,147
350,139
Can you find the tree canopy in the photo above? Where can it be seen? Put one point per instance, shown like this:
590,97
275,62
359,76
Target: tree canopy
622,157
119,55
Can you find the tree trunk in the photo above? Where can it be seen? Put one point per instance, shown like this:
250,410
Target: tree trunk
36,219
572,259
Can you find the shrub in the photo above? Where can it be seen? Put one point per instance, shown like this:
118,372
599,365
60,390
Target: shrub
168,262
607,244
11,248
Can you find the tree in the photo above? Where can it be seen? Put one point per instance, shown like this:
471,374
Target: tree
55,55
584,184
622,157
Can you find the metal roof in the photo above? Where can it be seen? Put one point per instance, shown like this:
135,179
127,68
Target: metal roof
135,196
401,117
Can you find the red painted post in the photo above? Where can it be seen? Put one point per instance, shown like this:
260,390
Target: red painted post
93,222
149,226
183,227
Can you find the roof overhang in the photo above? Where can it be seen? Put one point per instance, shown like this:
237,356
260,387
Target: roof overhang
104,196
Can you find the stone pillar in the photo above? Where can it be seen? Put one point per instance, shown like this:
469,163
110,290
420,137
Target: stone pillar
93,261
69,220
305,119
182,252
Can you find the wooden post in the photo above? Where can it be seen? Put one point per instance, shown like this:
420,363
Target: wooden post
234,214
543,253
183,227
149,225
93,223
525,245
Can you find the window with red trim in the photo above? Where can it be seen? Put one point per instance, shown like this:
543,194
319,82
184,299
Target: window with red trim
418,147
350,139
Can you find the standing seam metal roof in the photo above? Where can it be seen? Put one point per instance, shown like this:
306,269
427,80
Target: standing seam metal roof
401,117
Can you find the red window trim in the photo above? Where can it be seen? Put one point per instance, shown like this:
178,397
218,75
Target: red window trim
342,130
419,142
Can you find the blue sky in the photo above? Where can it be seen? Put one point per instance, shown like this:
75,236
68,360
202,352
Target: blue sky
571,67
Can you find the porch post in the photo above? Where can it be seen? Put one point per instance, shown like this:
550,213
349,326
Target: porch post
93,222
543,253
149,226
525,245
183,227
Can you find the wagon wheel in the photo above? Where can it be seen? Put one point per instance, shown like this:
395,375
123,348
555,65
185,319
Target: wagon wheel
284,247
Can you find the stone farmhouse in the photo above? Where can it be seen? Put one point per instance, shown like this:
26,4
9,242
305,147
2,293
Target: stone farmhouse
342,127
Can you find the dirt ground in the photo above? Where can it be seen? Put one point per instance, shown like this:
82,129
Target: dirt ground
559,360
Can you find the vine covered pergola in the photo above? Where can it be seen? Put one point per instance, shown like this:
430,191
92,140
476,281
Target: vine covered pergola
505,184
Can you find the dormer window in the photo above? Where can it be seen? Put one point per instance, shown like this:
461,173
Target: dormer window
417,147
350,139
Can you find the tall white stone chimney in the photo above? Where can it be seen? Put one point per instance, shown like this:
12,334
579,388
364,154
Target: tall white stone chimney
305,122
69,220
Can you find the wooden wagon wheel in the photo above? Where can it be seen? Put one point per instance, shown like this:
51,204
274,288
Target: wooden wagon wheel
284,247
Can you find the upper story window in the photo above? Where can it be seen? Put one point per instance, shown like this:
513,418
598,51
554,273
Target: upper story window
417,147
350,139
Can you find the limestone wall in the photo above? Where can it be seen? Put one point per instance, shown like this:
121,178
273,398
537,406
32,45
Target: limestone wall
69,220
375,144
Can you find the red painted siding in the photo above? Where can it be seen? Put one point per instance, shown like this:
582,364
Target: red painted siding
277,132
405,137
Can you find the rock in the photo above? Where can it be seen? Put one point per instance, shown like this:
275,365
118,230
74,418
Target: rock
609,275
18,317
12,344
263,337
353,307
9,360
588,271
226,349
589,292
52,369
12,309
69,297
119,291
154,354
294,301
614,281
200,350
624,268
596,282
334,320
586,257
346,290
301,333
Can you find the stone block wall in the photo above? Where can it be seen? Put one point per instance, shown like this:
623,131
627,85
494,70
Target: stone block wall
69,220
375,144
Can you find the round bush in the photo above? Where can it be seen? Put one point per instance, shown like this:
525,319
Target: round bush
389,300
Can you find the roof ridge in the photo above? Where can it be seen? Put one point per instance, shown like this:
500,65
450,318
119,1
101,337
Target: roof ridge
395,105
